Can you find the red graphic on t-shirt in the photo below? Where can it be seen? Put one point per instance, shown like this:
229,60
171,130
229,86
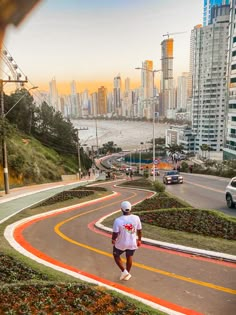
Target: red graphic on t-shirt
129,228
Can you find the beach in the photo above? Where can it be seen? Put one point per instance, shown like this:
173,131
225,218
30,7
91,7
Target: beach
125,134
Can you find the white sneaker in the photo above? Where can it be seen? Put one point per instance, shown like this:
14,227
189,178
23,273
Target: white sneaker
125,275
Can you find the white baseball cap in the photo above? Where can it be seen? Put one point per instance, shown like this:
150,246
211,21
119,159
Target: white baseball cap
125,206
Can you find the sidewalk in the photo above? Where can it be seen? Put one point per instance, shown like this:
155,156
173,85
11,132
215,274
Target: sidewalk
21,198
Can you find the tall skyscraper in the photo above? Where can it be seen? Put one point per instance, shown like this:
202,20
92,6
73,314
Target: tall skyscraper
167,83
147,79
182,91
230,136
102,101
94,104
207,9
85,103
209,60
117,94
127,102
53,94
74,100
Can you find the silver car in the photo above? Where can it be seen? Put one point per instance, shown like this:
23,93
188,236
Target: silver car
172,177
230,193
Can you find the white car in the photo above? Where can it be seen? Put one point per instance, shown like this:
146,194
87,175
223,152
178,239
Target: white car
230,193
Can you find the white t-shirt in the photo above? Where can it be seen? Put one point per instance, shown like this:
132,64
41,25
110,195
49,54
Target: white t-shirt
127,226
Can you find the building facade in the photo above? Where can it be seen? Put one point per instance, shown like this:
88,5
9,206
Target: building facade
230,135
167,83
102,101
209,83
117,95
207,9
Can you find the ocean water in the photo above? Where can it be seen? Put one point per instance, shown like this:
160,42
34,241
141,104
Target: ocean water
125,134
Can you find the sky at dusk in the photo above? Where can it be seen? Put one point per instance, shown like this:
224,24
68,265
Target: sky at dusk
91,41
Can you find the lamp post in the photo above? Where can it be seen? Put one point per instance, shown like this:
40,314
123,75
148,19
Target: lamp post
33,88
4,146
153,131
140,159
78,153
78,149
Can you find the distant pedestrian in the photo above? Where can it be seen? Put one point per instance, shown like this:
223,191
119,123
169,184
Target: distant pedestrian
131,174
190,168
89,173
126,228
127,173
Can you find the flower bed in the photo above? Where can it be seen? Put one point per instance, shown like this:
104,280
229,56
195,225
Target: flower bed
25,291
66,195
161,201
64,299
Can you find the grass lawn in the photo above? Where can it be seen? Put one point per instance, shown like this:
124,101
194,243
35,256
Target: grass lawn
183,238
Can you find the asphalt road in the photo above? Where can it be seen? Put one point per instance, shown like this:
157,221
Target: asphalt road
184,282
202,191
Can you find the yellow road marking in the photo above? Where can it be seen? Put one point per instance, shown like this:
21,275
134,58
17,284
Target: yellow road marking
162,272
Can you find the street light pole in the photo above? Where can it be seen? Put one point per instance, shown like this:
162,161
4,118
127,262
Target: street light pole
78,149
140,159
4,146
153,143
78,153
153,130
34,87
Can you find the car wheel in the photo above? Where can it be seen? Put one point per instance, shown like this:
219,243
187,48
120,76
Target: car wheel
229,201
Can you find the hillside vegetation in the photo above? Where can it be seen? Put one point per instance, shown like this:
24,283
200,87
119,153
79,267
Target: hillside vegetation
41,144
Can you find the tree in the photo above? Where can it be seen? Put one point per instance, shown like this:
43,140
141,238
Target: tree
19,107
204,147
108,148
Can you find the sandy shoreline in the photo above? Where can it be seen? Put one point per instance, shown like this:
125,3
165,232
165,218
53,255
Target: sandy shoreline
125,134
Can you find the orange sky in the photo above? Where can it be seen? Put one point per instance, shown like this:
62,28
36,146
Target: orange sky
92,86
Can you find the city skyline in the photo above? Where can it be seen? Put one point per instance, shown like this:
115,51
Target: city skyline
93,42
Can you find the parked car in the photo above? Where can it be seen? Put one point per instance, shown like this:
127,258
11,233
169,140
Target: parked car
230,193
157,173
172,177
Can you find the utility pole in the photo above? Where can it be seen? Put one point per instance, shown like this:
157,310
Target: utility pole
3,140
78,149
96,134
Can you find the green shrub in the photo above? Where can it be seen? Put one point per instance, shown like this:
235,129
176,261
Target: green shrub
158,186
141,182
184,167
199,221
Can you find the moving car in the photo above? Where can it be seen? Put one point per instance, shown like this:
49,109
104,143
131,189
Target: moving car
230,193
172,177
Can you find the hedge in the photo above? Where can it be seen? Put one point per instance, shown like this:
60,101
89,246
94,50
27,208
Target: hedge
200,221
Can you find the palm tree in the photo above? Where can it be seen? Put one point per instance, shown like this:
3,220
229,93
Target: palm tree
204,147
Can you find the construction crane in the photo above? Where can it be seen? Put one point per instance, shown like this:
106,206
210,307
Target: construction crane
170,34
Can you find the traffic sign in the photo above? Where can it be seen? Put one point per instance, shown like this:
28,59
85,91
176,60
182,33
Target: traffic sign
155,162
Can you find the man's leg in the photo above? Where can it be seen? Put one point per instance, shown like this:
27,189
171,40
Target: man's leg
119,262
116,255
129,261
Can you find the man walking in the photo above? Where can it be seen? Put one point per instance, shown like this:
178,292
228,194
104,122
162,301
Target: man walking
126,228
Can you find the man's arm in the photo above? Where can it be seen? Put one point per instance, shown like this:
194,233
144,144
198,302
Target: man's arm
139,240
114,237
